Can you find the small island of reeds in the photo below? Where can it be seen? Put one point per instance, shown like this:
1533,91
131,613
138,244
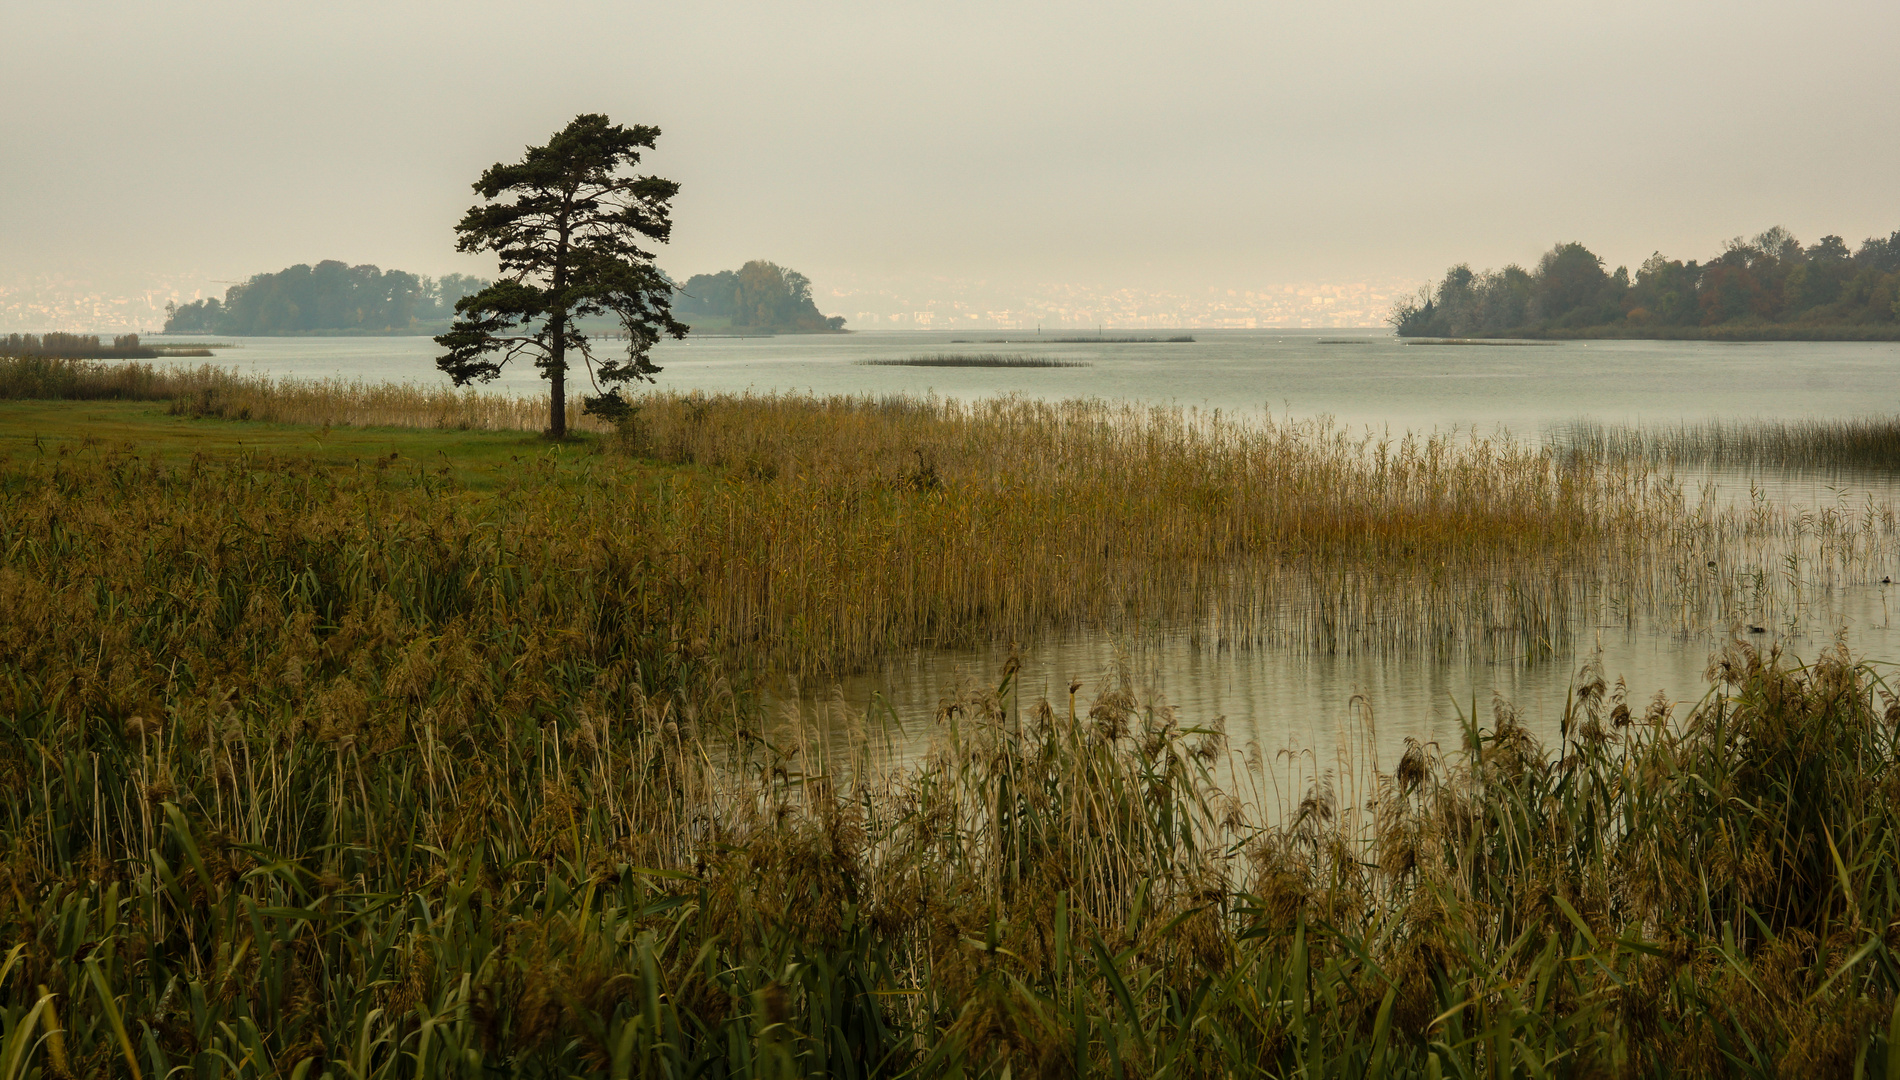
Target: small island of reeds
90,347
977,360
1178,339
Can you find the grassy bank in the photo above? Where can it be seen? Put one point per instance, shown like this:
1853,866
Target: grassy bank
210,392
476,459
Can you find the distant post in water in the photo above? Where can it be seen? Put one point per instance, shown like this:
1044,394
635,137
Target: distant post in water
566,223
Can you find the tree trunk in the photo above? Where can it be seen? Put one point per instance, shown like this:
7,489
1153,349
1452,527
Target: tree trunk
557,329
557,375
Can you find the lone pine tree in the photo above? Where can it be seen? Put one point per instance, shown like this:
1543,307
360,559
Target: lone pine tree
566,223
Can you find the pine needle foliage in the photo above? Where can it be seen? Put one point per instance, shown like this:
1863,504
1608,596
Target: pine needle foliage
567,223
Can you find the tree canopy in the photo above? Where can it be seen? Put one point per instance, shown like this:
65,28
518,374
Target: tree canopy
1767,286
566,223
328,297
759,296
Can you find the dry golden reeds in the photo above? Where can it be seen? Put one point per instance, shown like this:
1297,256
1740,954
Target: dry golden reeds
1867,442
355,772
823,533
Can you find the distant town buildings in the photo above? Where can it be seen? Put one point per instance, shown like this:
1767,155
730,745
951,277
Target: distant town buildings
39,305
1316,306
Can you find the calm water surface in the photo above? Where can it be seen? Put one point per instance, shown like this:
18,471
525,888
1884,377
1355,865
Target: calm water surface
1288,700
1361,378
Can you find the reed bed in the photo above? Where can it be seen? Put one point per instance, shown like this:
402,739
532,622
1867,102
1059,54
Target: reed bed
358,403
342,774
824,533
982,360
1871,442
931,522
1178,339
356,773
1477,341
58,378
861,526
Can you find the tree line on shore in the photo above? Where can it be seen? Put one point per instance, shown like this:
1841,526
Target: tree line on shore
330,296
759,296
1770,286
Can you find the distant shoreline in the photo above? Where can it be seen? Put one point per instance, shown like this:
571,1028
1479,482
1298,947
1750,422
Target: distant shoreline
1759,332
432,331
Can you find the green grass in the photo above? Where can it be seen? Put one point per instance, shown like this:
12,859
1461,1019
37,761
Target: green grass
76,429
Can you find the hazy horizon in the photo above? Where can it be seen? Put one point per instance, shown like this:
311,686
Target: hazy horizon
988,158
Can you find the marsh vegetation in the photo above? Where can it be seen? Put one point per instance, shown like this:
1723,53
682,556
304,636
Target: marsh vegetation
77,346
351,766
991,360
1177,339
1870,443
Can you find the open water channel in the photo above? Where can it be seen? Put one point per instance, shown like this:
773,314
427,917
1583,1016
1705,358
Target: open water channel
1291,699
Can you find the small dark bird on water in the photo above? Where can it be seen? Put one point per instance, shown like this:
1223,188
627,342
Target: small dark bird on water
1757,630
1886,581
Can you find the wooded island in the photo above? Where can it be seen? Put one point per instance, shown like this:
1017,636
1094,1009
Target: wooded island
1767,288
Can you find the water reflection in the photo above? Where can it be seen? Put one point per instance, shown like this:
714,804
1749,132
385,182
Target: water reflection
1322,707
1382,383
1288,699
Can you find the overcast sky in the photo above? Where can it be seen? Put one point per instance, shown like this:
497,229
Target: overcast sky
1111,145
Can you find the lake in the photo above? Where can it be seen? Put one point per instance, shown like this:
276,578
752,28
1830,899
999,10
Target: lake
1286,698
1360,377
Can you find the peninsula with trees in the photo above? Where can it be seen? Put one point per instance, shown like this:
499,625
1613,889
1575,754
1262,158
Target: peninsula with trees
758,298
1769,288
